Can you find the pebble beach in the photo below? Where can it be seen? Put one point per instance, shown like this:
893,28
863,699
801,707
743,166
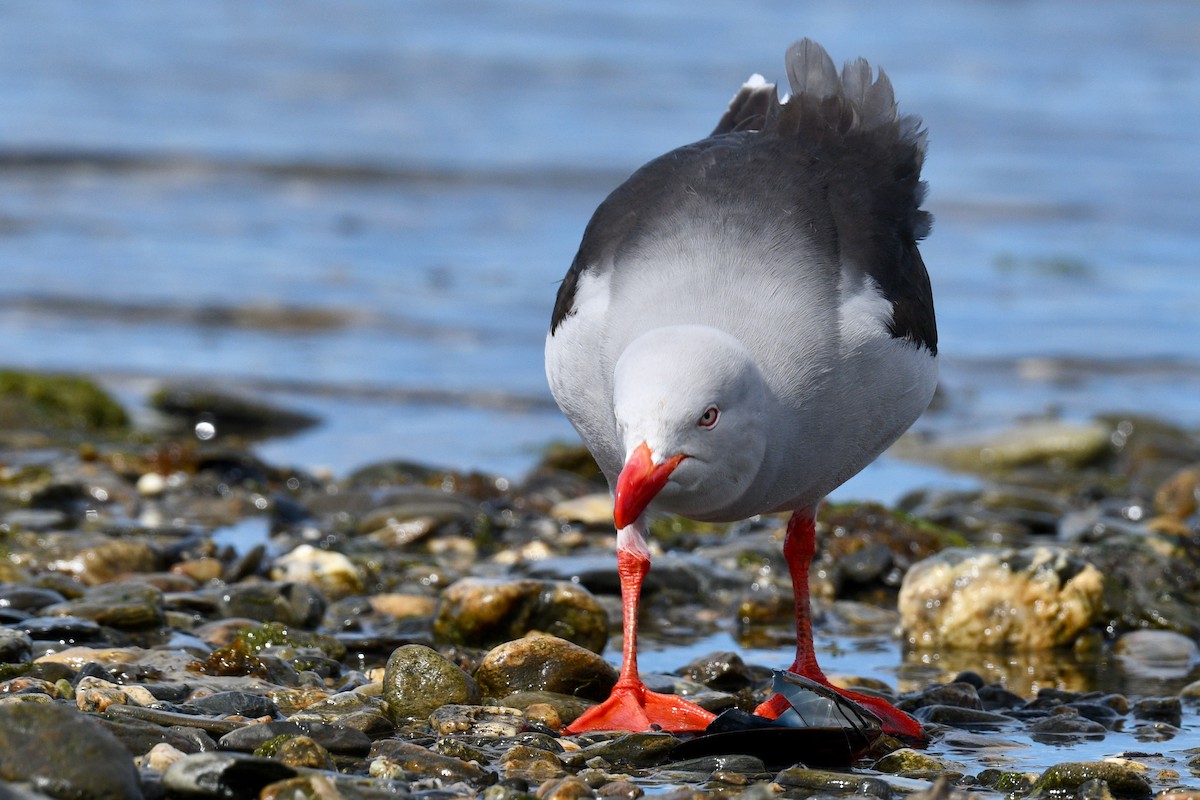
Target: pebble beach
179,618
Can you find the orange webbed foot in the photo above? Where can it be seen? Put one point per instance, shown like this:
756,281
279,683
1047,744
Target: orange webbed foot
636,708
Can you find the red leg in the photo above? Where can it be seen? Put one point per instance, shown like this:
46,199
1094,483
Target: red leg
799,546
631,706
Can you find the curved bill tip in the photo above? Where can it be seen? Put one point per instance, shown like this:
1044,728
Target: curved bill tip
639,482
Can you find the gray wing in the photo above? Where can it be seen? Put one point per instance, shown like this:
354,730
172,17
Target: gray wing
833,169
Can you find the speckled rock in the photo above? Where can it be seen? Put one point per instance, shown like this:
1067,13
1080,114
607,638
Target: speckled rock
907,761
1123,779
546,664
35,736
482,612
1031,599
332,573
419,680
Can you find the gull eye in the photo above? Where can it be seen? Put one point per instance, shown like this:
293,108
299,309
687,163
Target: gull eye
709,418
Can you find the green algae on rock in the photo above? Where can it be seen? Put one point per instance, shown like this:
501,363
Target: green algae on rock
58,403
1123,779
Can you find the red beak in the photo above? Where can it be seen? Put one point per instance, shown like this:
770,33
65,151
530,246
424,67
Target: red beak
640,480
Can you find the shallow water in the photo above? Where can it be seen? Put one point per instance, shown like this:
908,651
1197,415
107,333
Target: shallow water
362,211
1010,747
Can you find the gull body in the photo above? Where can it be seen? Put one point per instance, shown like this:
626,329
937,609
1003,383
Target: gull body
748,323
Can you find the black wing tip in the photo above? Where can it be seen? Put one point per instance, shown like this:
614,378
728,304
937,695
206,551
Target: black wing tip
822,104
858,104
564,301
859,98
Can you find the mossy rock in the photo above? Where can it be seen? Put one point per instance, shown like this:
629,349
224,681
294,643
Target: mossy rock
58,403
1122,780
572,458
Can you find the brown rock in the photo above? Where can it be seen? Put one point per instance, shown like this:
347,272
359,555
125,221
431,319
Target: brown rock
480,612
547,664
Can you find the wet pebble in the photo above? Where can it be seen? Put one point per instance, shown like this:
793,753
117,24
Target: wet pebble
334,738
34,737
545,664
289,603
223,774
418,680
487,612
393,760
15,646
243,704
816,780
330,572
1065,727
1160,709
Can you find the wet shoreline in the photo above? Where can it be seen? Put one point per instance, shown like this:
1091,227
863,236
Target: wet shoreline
232,625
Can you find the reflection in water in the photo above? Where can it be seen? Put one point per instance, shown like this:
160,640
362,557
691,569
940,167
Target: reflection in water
1023,673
